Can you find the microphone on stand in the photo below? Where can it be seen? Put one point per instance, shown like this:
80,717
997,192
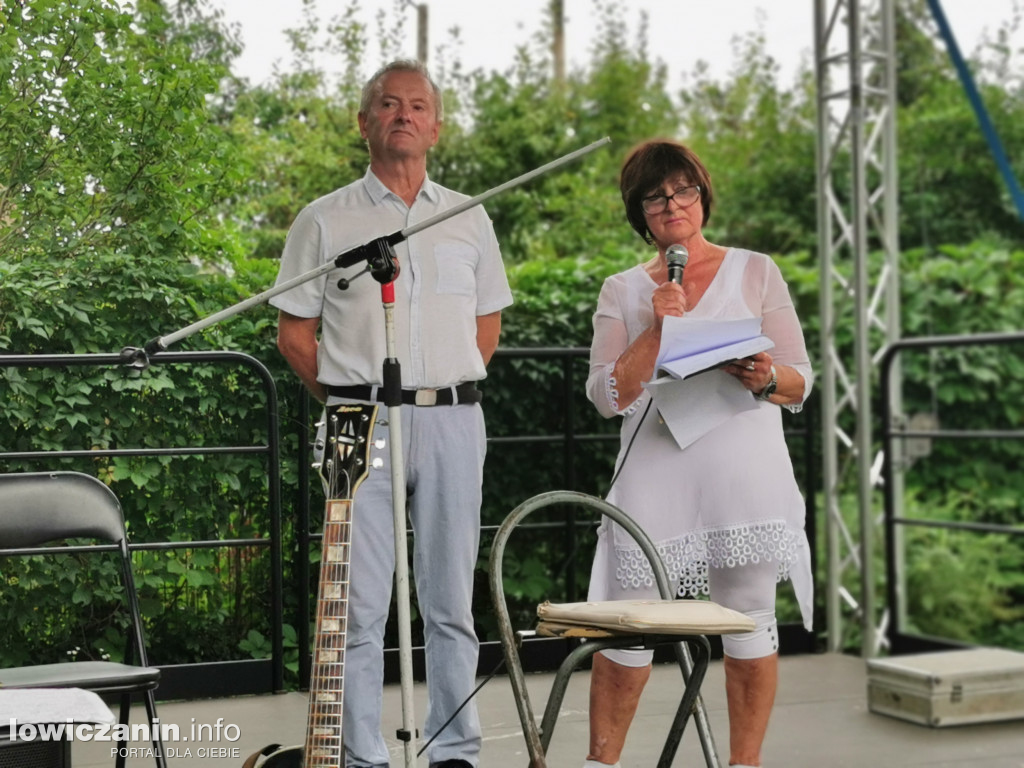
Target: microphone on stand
677,256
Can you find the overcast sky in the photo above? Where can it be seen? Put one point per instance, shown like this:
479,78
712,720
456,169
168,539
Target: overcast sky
681,31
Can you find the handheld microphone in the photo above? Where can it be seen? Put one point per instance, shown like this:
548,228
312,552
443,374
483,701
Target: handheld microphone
677,256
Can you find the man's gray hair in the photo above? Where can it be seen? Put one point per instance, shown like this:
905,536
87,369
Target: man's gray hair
400,65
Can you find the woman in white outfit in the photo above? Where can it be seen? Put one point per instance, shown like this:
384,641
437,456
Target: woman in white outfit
725,511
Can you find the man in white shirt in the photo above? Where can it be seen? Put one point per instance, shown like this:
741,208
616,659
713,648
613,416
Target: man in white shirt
449,294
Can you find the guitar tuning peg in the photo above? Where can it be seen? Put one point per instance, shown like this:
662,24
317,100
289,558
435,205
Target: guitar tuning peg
316,465
377,463
379,443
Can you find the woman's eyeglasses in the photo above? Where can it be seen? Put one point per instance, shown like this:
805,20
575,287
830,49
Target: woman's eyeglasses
684,196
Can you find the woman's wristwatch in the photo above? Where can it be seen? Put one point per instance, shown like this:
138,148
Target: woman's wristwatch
769,390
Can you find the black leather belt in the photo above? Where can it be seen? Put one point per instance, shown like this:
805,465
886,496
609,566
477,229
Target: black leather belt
463,393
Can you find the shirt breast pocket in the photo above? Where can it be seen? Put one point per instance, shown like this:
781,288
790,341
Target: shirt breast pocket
456,269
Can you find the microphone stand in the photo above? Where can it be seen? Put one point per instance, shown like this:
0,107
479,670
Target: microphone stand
380,257
392,389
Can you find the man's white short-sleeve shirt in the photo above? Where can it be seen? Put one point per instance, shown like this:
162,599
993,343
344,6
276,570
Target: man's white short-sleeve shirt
450,273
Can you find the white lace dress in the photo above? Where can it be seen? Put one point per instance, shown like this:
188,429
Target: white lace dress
728,499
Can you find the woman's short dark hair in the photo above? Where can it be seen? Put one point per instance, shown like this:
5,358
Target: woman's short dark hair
645,170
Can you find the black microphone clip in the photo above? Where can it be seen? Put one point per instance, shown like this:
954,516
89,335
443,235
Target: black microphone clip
134,357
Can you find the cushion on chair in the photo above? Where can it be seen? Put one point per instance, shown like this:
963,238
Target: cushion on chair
668,617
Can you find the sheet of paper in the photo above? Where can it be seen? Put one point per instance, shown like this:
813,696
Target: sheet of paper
690,346
53,705
694,407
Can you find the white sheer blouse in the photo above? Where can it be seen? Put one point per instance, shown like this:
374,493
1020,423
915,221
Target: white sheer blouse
624,311
730,497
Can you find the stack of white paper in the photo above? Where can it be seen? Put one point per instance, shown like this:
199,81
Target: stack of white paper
691,404
690,346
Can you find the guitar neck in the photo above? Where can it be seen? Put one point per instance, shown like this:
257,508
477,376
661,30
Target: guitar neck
327,681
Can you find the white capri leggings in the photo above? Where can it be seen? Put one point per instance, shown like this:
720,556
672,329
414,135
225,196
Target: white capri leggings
749,589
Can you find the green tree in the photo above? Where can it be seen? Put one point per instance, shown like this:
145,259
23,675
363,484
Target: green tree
104,134
299,132
757,141
534,119
111,176
950,188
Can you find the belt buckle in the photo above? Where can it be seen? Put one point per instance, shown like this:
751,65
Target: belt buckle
426,397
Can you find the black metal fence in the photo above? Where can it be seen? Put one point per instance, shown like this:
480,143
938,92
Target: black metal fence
565,436
196,680
899,436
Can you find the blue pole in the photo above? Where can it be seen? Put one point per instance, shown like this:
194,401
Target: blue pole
979,107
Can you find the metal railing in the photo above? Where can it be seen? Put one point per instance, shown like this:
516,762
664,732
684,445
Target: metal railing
231,677
894,429
208,678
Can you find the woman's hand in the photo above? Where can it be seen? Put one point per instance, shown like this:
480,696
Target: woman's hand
754,372
668,300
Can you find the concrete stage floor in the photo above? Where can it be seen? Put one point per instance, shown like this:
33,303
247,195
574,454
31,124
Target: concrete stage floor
820,719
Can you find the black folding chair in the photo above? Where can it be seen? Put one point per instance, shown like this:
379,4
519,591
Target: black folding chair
38,508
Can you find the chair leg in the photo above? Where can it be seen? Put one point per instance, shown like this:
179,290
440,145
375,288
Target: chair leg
522,697
688,705
700,713
156,735
124,718
576,658
572,662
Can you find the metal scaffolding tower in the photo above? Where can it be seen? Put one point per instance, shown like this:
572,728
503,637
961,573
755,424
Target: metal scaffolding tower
858,240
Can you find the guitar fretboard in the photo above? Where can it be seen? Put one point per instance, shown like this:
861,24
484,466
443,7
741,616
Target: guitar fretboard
326,687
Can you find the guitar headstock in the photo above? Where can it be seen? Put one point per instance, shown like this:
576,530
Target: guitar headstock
347,450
